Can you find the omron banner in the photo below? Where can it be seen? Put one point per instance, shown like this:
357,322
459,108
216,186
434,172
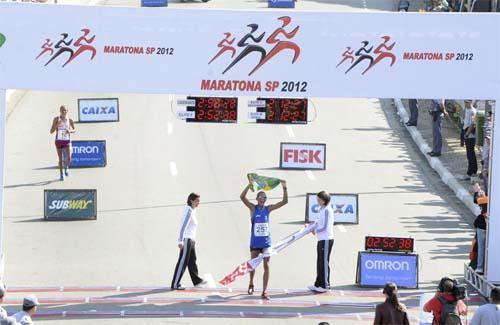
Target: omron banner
70,204
88,153
376,269
264,53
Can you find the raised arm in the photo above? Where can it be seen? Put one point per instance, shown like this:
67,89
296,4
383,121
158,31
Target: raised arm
282,202
53,128
243,198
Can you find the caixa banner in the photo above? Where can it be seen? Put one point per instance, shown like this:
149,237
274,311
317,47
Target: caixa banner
302,155
345,208
98,110
70,204
88,153
376,269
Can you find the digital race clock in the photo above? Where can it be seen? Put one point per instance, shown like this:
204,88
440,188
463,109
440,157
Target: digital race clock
214,109
284,110
392,244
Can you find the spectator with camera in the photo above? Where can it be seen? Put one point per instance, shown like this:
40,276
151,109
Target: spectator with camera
447,305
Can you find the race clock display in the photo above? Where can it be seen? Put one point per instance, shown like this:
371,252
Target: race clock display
391,244
284,110
214,109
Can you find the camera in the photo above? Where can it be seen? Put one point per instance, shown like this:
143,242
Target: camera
459,291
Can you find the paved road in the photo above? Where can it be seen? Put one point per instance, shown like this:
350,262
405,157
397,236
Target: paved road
141,194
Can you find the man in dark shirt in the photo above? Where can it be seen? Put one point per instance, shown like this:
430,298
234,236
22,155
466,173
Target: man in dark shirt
480,225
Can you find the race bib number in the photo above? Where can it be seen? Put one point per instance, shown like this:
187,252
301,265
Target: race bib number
62,135
261,230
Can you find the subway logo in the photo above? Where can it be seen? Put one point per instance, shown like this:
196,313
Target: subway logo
69,204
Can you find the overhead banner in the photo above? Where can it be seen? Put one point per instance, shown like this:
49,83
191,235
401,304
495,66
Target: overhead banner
88,153
98,110
253,53
344,206
70,204
376,269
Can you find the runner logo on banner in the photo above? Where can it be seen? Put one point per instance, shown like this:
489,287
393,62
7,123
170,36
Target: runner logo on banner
345,208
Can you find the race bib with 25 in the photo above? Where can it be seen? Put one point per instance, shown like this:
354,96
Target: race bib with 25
261,230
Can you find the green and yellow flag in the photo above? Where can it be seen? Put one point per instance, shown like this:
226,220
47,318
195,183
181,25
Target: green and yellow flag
262,183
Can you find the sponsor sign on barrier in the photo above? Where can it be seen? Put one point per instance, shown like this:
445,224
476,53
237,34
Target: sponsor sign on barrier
281,3
302,155
154,3
70,204
98,110
88,153
344,206
376,269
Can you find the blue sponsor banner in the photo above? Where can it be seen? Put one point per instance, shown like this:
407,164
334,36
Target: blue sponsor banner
154,3
88,153
92,110
281,3
376,269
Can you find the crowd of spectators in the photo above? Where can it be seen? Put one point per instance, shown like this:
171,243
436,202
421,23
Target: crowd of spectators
23,317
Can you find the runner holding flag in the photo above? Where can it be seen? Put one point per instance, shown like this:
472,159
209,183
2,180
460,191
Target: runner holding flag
260,238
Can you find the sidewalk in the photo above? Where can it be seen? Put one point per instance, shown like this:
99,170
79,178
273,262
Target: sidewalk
453,160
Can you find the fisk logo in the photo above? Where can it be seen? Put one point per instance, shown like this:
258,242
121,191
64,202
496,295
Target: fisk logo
278,41
99,110
302,156
337,208
69,204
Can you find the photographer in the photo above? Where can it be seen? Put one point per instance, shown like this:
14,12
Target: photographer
447,305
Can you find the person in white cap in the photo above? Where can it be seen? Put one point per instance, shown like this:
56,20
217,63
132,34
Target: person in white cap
30,304
3,313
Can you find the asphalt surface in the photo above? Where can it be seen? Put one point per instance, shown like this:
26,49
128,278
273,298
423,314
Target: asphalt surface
156,160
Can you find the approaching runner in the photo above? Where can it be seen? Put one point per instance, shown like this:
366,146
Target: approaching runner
63,126
260,237
186,244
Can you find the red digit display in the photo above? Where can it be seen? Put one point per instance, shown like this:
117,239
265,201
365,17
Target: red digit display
284,110
394,244
214,109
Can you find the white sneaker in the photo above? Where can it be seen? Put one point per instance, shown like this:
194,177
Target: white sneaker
201,284
313,288
320,289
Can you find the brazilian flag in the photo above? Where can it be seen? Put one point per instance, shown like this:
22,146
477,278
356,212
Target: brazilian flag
262,183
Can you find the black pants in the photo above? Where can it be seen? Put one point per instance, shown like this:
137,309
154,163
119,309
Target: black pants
187,257
324,249
470,143
413,111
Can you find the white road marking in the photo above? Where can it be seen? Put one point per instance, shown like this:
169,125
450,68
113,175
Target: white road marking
341,228
210,280
358,316
173,168
310,175
290,132
170,128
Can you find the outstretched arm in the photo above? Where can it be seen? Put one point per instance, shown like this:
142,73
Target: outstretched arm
243,197
282,202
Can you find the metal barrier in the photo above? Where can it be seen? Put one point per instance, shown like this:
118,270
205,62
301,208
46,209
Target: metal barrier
477,281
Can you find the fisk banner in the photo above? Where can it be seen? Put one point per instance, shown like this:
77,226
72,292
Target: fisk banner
302,155
345,208
88,153
98,110
70,204
376,269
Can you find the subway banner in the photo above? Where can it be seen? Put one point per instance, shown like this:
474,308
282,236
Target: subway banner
253,53
98,110
70,204
88,153
376,269
344,206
